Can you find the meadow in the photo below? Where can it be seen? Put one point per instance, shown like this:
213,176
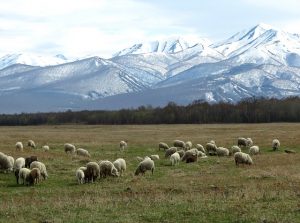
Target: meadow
211,190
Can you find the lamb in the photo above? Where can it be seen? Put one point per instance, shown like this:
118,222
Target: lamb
46,148
29,160
244,142
83,152
254,150
41,166
6,162
170,151
69,148
34,176
19,146
163,146
275,144
23,173
200,148
242,158
154,157
146,164
123,145
80,175
120,165
221,151
179,143
19,163
92,172
211,148
235,149
188,145
175,158
107,168
31,144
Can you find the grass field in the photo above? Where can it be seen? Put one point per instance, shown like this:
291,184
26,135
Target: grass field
211,190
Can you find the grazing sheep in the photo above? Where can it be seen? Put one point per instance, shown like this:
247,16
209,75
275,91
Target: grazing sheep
23,173
138,158
29,160
275,144
80,175
190,156
123,145
242,158
188,145
83,152
154,157
244,142
163,146
120,165
6,162
83,168
92,172
69,148
34,176
221,151
107,168
31,144
211,148
254,150
235,149
175,158
170,151
19,146
19,163
41,166
179,143
249,141
146,164
46,148
201,148
181,153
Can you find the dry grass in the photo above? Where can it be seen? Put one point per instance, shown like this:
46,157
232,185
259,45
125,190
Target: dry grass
211,190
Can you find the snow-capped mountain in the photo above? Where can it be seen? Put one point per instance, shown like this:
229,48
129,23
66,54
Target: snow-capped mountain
260,61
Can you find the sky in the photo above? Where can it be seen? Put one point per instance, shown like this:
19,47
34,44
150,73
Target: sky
80,28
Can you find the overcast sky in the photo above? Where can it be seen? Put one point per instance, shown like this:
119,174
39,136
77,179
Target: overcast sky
77,28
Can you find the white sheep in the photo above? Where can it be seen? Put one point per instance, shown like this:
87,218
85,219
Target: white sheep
242,158
200,148
46,148
123,145
120,165
175,158
254,150
83,152
275,144
6,162
244,142
79,176
235,149
69,148
92,172
31,144
11,160
41,166
190,155
221,151
154,157
163,146
170,151
211,148
23,173
107,168
146,164
19,163
188,145
19,146
179,143
138,158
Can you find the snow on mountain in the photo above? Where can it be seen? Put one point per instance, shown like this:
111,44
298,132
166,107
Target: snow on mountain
31,59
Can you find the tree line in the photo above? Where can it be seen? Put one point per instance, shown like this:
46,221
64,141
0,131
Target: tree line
251,110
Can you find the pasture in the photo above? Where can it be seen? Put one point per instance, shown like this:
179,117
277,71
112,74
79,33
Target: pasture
211,190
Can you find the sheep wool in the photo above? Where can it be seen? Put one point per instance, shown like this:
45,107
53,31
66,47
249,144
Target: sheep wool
175,158
120,165
221,151
69,148
242,158
146,164
107,168
254,150
163,146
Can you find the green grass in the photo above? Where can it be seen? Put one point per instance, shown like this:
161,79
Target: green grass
211,190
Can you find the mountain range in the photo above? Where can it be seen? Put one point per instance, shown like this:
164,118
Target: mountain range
260,61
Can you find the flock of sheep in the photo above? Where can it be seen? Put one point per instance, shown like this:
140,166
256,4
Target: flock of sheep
30,171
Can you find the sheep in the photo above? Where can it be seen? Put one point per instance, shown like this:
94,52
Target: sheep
175,158
163,146
31,144
200,148
242,158
83,152
146,164
154,157
19,163
244,142
275,144
69,148
120,165
181,153
34,176
138,158
23,173
179,143
107,168
254,150
188,145
41,166
46,148
170,151
211,148
29,160
221,151
123,145
19,146
190,156
83,168
92,172
79,175
235,149
6,162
